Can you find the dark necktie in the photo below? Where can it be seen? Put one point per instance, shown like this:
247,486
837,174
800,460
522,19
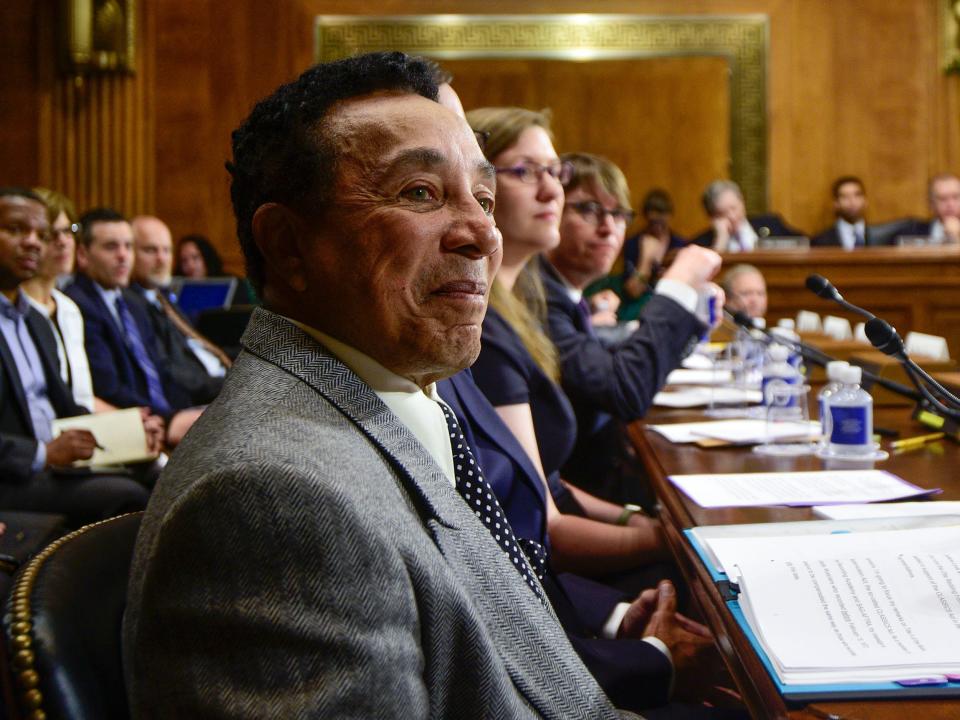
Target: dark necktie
583,308
857,237
478,494
158,401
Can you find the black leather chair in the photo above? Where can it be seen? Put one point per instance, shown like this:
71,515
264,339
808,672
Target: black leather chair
62,625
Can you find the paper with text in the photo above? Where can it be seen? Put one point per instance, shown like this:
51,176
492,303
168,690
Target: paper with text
795,488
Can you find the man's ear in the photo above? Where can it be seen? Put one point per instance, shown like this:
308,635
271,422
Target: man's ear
276,229
81,256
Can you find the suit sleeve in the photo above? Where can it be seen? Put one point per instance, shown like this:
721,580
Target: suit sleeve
622,380
17,453
106,383
286,602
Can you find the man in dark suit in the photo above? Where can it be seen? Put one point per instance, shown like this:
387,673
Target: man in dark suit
33,463
195,363
943,194
617,381
850,231
126,362
732,230
321,544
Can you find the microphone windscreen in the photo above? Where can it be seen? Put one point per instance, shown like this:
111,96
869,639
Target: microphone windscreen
883,336
820,286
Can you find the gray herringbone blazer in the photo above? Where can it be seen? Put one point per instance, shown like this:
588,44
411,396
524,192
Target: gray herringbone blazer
303,557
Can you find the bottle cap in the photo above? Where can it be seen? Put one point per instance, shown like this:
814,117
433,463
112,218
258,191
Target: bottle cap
834,367
759,323
851,375
787,323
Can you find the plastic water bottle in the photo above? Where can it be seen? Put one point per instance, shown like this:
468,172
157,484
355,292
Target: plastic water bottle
776,370
851,416
707,310
830,389
791,339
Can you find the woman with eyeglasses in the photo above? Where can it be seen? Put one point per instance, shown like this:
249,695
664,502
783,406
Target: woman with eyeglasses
61,312
518,367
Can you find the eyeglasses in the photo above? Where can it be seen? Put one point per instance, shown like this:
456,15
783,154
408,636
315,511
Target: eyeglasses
18,232
595,213
530,172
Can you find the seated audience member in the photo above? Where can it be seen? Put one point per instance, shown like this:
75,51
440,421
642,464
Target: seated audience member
195,363
197,259
317,502
643,255
746,290
944,197
125,361
732,230
850,230
619,380
518,368
33,463
61,312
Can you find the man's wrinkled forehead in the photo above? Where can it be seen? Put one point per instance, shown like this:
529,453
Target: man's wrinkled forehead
378,129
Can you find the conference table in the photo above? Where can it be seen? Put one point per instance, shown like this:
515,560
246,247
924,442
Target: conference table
933,465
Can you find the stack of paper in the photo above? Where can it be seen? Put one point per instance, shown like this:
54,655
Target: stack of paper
860,607
739,432
689,397
682,376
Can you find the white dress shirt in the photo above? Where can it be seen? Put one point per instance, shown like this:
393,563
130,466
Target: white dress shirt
848,233
744,239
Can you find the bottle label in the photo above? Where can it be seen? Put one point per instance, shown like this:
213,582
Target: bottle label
779,391
849,425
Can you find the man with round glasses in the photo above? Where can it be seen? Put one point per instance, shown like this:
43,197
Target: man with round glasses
620,379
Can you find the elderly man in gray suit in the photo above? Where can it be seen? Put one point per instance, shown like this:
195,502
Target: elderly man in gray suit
319,546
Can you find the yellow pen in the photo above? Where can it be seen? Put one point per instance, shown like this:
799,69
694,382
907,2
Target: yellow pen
915,441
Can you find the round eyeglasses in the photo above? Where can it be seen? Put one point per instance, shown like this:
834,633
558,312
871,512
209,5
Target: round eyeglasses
595,213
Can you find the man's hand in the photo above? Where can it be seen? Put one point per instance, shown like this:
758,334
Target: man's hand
654,612
951,228
722,232
695,266
154,428
603,307
69,446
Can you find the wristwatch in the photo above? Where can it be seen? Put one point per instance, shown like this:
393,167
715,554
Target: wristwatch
628,510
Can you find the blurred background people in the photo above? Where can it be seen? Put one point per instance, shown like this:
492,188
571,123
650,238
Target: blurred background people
731,229
746,290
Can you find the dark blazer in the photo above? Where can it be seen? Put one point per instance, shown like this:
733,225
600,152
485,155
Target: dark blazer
184,367
304,556
633,673
769,225
18,444
831,238
117,378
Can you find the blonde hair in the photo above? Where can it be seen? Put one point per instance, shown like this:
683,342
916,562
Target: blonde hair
525,308
596,172
56,203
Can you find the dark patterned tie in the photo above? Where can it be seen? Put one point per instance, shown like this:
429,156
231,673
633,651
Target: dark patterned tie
158,401
478,494
583,309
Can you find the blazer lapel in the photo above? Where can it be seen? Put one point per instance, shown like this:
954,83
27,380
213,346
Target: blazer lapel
16,382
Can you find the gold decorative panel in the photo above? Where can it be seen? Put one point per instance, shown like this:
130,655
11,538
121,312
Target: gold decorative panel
740,39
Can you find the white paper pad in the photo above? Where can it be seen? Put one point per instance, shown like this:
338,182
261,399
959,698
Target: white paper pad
753,431
696,361
120,432
700,397
798,488
887,510
684,376
875,606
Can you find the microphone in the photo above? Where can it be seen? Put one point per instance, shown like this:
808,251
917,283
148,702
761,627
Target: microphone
885,338
817,357
823,288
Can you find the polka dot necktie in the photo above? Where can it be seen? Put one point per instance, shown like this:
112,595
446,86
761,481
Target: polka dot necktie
478,494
